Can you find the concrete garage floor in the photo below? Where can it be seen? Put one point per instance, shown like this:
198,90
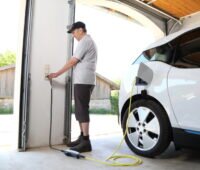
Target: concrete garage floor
47,159
104,140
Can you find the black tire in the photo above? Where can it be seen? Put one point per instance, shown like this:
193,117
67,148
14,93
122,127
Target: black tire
164,138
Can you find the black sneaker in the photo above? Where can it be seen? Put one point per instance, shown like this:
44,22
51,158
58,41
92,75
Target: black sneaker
83,146
76,142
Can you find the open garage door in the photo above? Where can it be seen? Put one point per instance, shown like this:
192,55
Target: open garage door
44,40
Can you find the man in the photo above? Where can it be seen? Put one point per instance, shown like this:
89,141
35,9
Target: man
84,79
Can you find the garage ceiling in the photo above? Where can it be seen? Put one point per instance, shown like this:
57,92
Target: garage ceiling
167,15
176,8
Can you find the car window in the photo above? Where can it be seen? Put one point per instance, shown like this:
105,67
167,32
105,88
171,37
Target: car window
161,53
141,59
189,54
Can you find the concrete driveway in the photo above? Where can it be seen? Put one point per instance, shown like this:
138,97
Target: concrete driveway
105,136
47,159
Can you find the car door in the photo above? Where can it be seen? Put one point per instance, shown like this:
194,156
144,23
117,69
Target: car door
184,81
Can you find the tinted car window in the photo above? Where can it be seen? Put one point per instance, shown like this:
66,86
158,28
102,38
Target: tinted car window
189,54
187,50
161,53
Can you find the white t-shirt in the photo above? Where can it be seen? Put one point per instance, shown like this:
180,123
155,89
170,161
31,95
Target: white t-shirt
84,70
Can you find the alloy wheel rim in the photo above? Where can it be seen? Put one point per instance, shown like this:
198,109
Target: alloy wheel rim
143,128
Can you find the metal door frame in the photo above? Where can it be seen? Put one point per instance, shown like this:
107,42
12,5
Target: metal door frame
25,78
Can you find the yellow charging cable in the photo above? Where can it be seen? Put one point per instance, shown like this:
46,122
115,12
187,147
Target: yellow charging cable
114,157
111,160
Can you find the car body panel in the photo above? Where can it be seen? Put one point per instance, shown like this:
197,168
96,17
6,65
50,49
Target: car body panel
184,91
172,36
157,89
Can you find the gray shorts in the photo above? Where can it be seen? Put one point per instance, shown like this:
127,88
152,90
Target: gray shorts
82,93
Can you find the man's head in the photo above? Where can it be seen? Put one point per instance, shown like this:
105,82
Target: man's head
78,30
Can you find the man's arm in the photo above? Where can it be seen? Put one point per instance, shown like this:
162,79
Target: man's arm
73,61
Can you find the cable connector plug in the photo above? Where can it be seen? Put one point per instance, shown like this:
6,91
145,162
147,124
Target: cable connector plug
73,154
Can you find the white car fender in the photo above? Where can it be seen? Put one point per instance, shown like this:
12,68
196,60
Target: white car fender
158,88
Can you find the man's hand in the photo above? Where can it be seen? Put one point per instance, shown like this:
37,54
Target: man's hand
52,75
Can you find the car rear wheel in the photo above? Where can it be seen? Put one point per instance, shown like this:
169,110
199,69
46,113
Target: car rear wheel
148,128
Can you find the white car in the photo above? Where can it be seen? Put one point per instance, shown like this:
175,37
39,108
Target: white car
164,87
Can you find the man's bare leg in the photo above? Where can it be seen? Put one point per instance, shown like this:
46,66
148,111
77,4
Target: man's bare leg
85,128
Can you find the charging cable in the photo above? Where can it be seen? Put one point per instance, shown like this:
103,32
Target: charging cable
135,160
70,153
111,160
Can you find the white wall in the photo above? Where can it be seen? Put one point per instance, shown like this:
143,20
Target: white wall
191,20
156,28
48,46
188,21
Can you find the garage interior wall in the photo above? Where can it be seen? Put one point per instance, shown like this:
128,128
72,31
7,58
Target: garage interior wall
188,21
154,23
48,47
